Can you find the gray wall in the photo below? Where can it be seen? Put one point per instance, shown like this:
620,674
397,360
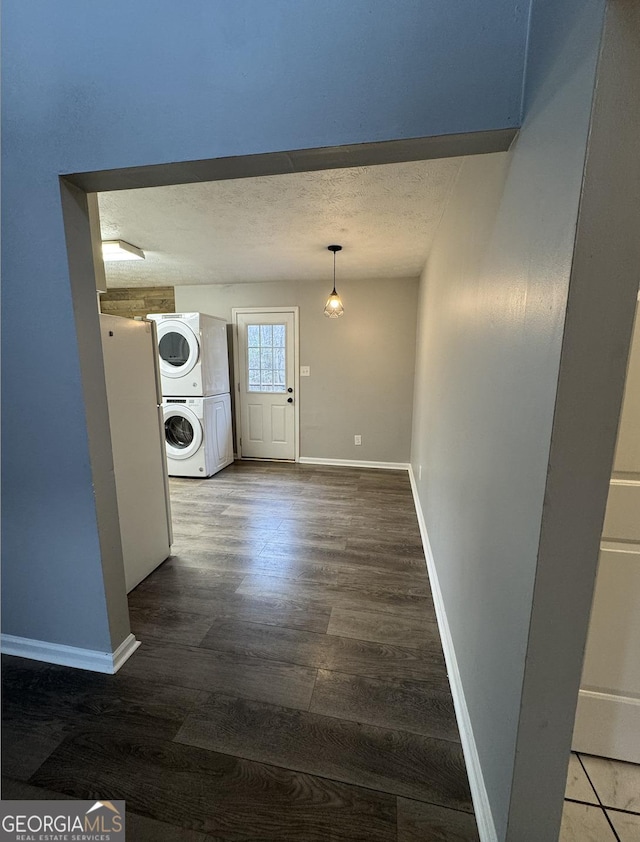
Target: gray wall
491,317
175,83
362,364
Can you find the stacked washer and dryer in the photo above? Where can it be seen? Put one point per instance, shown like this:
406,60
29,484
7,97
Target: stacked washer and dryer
194,369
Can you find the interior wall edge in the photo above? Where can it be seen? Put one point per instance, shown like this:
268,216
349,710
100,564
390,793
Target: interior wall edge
597,334
81,276
297,161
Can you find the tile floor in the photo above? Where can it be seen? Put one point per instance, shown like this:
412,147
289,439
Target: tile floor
602,801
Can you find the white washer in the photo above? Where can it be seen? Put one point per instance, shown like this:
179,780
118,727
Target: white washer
197,435
193,354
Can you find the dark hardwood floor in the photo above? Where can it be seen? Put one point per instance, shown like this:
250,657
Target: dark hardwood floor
290,685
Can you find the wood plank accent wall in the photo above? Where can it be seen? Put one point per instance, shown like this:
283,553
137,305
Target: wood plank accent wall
138,301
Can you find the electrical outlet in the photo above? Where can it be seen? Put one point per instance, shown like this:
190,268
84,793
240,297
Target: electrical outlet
357,439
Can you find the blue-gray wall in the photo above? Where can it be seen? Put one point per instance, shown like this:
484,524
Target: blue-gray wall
93,86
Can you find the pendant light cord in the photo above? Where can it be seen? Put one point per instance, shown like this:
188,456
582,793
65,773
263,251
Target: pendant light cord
334,274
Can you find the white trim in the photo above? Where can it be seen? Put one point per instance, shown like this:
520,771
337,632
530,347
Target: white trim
355,463
70,656
296,379
607,725
479,795
295,309
289,308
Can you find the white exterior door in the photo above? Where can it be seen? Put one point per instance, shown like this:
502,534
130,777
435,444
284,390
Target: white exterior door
266,383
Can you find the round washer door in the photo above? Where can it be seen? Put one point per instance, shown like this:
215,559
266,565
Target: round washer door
178,347
182,431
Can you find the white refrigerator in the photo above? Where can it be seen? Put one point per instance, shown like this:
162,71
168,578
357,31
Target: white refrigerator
137,436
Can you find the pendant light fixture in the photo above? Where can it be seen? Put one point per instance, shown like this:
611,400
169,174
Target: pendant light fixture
333,307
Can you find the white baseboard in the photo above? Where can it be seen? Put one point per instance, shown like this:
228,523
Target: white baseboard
607,725
479,795
354,463
70,656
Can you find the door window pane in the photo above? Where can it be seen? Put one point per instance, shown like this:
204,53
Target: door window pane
266,335
266,359
266,352
254,358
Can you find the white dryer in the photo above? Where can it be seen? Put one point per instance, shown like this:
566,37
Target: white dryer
193,354
197,435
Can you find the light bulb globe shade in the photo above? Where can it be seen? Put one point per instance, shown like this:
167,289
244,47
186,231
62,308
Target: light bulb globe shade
333,308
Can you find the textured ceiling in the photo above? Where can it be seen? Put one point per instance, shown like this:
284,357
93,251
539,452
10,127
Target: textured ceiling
278,227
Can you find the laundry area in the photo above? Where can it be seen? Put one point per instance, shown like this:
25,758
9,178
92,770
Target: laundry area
194,377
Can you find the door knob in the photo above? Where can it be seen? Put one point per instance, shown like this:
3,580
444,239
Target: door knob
289,400
289,389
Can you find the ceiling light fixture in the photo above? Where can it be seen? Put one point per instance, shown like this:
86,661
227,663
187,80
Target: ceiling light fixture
333,307
119,250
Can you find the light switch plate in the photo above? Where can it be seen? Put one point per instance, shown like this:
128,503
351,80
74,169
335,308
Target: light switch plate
305,371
